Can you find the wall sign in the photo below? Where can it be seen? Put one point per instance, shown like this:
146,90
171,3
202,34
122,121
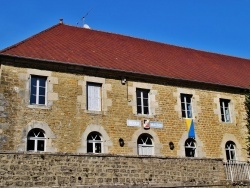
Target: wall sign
156,124
133,123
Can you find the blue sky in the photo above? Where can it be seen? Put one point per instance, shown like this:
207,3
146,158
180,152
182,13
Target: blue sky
221,26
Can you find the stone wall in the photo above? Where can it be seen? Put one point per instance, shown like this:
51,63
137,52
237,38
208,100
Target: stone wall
71,170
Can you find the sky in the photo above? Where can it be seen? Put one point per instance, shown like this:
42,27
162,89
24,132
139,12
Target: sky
220,26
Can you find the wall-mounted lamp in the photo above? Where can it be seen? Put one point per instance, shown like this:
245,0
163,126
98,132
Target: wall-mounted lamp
171,145
121,142
123,81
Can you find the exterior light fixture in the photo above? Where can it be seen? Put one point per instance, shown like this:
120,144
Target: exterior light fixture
171,145
121,142
123,81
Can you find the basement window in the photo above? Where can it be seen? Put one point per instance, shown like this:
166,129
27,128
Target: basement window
94,143
190,148
230,148
36,140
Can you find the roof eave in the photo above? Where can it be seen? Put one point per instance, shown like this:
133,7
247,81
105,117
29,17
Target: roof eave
118,70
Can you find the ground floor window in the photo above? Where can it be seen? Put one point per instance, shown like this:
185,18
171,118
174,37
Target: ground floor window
145,145
36,140
94,143
190,147
230,148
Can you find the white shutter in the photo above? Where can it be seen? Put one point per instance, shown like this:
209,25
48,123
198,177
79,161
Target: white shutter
94,97
227,115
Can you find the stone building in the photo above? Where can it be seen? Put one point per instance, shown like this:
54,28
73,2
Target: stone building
71,89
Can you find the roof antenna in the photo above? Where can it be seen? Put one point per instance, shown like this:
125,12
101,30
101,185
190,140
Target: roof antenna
83,20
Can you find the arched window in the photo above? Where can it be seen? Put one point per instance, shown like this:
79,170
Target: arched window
36,140
230,148
145,145
94,143
190,147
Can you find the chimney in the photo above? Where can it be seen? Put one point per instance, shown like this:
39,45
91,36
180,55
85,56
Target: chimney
61,20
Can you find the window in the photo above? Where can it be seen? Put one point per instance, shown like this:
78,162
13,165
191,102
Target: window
94,96
145,145
142,101
186,106
225,110
36,140
94,143
230,150
190,148
38,90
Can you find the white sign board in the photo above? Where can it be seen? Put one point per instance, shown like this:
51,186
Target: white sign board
156,124
133,123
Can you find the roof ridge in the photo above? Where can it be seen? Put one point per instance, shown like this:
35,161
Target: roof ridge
33,36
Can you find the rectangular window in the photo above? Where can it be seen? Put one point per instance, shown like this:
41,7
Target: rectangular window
225,110
186,106
142,101
94,96
38,90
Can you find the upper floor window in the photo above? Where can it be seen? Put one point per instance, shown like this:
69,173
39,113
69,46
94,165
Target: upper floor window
186,105
190,148
142,100
230,150
225,110
94,143
38,90
36,140
145,145
94,96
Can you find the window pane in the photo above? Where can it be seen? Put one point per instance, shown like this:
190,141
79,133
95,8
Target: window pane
40,145
31,145
42,81
98,148
188,98
145,94
139,110
183,114
89,147
42,90
139,101
41,99
189,113
228,155
145,110
145,102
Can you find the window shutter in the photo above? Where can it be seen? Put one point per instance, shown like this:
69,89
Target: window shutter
94,97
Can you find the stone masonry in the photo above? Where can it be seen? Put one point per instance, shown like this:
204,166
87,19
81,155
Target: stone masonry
66,120
76,170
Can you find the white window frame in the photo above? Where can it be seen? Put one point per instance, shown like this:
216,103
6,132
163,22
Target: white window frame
225,111
94,142
92,104
144,148
186,105
36,139
231,151
188,145
141,99
37,94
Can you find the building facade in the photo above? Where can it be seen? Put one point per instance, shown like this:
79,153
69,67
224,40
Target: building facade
76,105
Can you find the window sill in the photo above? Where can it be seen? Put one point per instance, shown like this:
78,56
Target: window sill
145,115
38,106
93,112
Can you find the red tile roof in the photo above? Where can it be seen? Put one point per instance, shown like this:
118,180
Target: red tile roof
74,45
